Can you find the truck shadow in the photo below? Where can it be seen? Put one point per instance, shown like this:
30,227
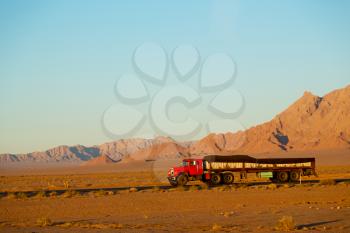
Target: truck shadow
315,224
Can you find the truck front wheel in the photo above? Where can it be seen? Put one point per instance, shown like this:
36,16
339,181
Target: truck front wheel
228,178
182,180
215,179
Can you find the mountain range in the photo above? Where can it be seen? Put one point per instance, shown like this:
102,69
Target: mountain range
312,123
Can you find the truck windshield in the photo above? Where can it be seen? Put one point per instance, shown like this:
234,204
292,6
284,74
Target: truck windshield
184,163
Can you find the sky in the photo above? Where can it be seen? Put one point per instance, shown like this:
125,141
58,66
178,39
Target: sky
61,62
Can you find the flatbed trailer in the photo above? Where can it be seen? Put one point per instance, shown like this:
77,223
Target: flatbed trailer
218,169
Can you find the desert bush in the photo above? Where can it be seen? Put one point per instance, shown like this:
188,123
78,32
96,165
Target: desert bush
100,193
52,194
156,189
40,194
241,186
66,224
21,195
110,192
286,223
272,186
328,182
181,188
44,222
225,188
194,188
66,184
70,193
11,196
133,189
228,214
216,227
204,186
50,186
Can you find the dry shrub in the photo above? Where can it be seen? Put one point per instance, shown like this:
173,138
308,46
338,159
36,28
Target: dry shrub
66,224
21,195
156,189
53,194
194,188
133,190
100,193
181,188
70,193
204,186
224,188
66,184
272,186
216,227
44,222
40,194
228,214
286,223
11,196
110,192
242,185
328,182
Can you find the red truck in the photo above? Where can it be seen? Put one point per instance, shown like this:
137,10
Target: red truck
216,169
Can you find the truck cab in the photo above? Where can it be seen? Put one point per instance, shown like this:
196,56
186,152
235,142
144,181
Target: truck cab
189,169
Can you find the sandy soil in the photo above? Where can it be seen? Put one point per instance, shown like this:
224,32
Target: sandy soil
313,207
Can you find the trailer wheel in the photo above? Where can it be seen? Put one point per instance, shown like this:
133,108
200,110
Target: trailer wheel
282,176
182,180
294,176
215,179
228,178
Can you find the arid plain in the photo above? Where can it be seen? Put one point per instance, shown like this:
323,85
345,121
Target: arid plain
130,198
121,186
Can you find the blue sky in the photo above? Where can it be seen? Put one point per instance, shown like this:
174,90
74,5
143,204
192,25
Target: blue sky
60,59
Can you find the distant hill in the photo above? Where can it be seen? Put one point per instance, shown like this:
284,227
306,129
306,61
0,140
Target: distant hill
311,123
77,154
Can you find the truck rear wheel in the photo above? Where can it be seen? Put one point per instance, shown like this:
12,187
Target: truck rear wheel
227,178
282,176
294,176
215,179
182,180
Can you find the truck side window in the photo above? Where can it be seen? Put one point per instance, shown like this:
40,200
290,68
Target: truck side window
193,163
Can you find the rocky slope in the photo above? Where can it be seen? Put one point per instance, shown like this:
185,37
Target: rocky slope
100,160
311,123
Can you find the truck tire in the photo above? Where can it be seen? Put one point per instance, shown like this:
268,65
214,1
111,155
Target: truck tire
182,180
294,176
227,178
282,176
215,179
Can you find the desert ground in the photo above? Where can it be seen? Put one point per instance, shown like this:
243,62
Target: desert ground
99,199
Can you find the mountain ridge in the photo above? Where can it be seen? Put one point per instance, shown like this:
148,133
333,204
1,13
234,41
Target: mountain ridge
310,123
